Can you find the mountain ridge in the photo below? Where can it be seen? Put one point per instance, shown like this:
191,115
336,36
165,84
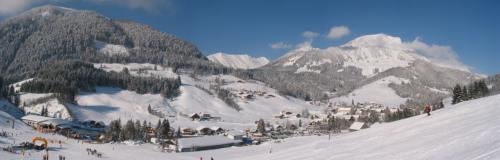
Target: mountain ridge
336,71
238,61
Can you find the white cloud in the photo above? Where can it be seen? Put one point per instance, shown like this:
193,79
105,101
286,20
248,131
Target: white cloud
310,34
151,6
337,32
8,7
280,45
441,55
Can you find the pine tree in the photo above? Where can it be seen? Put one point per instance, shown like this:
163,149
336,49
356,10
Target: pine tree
457,94
1,87
158,127
144,130
125,71
178,134
261,127
483,88
473,90
138,130
465,94
164,129
115,130
149,109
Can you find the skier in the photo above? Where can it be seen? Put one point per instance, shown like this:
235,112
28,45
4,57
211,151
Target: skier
427,109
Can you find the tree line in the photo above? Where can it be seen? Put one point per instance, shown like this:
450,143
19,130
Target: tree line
475,90
130,130
8,92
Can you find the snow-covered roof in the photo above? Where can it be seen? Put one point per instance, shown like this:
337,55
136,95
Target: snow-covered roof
201,128
205,141
236,133
215,128
36,118
357,125
55,122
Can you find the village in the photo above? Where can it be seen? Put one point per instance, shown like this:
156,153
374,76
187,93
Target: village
335,119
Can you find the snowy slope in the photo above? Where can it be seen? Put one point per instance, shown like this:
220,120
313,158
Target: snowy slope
34,102
17,85
108,104
467,131
238,61
196,100
377,92
338,70
7,107
371,54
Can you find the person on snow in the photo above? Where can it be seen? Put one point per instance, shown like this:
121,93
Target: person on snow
427,109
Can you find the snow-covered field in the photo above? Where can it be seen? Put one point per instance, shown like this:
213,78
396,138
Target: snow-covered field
108,104
468,130
377,92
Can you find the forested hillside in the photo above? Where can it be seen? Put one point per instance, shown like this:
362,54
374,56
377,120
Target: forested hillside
44,35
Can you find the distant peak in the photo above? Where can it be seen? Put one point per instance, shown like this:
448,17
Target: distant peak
241,61
48,10
375,40
53,7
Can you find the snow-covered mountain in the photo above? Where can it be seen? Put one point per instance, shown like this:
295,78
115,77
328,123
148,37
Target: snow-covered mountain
46,34
338,70
242,61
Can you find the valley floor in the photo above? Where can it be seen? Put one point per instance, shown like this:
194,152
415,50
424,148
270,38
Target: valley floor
468,130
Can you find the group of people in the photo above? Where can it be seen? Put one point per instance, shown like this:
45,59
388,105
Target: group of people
61,157
6,134
94,152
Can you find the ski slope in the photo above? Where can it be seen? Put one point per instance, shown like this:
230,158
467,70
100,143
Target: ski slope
108,104
195,100
377,92
467,131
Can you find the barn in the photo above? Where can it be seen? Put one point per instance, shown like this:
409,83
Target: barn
204,143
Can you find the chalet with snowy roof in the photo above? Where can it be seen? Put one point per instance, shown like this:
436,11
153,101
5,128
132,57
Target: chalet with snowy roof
217,130
187,131
205,143
343,110
356,126
47,124
202,130
235,135
34,120
194,116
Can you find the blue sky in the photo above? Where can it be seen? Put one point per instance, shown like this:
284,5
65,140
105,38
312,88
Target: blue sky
470,28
